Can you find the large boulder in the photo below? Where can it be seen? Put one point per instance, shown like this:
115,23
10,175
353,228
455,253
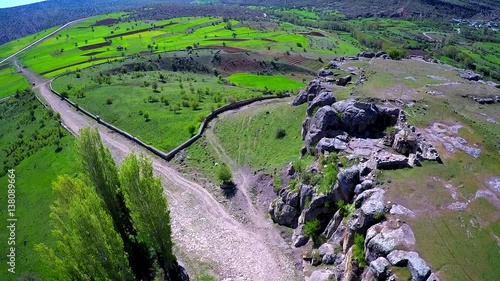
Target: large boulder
347,179
306,193
325,72
366,54
323,124
321,275
405,142
357,118
283,214
327,253
381,267
299,238
330,144
344,80
470,75
318,207
300,98
324,98
333,225
418,268
385,237
370,209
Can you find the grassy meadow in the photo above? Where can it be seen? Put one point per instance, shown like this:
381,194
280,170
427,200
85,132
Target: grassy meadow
262,82
161,117
11,81
32,143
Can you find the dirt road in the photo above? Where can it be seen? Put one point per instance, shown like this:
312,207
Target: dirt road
203,230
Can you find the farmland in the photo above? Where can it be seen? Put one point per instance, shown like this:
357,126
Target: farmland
114,36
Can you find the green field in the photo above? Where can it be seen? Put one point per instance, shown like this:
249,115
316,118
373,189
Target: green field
262,82
11,81
183,100
63,52
36,165
249,136
8,49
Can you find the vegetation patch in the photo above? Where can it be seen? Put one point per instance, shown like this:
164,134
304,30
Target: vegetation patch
263,82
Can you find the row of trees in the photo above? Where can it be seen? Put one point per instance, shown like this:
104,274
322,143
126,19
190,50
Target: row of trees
110,223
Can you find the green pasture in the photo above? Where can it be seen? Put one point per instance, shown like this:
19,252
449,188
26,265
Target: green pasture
32,130
262,82
11,81
181,101
249,136
11,47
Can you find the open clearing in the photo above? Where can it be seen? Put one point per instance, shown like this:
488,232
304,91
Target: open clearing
264,82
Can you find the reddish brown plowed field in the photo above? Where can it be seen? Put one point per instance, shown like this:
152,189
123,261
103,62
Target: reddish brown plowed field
78,63
91,54
228,39
411,52
94,46
230,50
313,33
138,31
105,22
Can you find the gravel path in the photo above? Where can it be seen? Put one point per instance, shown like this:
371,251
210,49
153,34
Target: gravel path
203,230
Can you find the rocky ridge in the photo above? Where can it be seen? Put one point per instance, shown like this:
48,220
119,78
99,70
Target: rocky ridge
336,207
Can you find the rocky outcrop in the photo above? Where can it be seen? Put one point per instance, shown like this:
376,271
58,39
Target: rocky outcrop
367,54
285,209
370,209
344,80
381,268
483,100
322,275
323,124
418,268
324,98
312,90
330,144
325,72
346,181
385,237
470,75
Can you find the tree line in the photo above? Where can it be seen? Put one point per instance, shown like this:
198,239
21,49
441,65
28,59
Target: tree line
110,223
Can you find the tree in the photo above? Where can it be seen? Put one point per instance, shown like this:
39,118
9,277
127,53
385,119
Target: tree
88,247
192,129
98,169
148,208
224,174
155,86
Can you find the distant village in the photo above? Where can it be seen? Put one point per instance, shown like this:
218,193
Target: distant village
494,26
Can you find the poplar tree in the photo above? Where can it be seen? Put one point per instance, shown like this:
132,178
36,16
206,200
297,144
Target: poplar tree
99,169
88,247
149,211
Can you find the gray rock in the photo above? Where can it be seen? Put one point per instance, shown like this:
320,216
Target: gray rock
330,144
323,124
317,207
433,277
388,161
299,238
337,237
366,54
400,210
379,54
305,127
300,98
283,214
357,118
418,268
327,253
470,75
344,80
370,210
324,98
333,225
405,142
346,181
306,191
381,267
325,72
322,275
387,236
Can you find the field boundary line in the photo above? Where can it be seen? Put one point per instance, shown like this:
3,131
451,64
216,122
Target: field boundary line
171,154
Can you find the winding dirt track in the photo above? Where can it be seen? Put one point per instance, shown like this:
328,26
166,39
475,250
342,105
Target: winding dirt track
203,230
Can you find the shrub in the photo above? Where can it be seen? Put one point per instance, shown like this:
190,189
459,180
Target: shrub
293,185
299,45
195,105
329,178
396,54
359,249
280,133
298,166
192,129
109,101
146,117
224,174
277,183
345,210
312,229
